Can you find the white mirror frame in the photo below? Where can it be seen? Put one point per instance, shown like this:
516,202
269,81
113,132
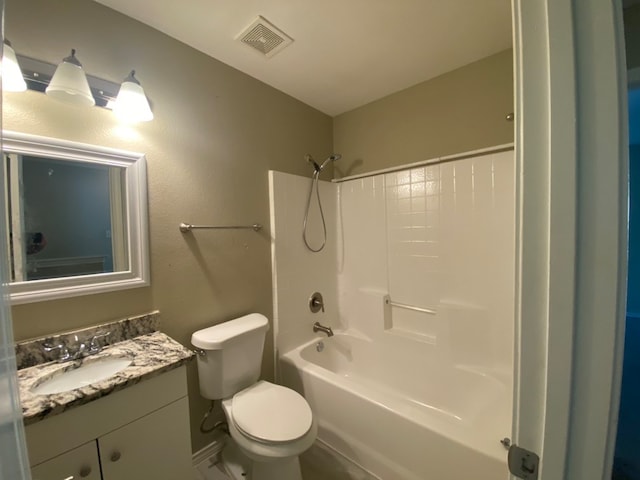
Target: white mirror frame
136,218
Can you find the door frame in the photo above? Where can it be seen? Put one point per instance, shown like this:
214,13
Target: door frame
571,158
633,77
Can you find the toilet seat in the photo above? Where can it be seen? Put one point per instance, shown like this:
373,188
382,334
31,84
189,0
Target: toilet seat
271,413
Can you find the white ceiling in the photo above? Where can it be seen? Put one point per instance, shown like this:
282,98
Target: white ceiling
345,53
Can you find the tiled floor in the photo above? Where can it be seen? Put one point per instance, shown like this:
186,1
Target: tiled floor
317,463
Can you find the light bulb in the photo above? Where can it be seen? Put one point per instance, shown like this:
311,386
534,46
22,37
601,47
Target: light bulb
69,83
131,104
12,79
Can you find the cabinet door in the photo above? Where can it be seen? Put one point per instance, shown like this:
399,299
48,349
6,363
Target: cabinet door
81,463
156,446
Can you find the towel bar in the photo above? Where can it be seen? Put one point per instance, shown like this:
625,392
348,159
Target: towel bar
186,227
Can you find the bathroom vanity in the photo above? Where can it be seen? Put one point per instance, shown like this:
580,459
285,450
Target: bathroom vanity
131,425
139,432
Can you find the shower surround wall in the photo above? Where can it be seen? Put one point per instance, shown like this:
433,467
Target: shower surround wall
439,237
298,272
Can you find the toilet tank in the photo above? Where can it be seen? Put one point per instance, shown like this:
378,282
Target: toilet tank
232,355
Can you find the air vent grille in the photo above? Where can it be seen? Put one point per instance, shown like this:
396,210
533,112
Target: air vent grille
264,37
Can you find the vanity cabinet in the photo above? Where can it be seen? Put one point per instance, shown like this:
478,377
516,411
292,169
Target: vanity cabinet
137,433
134,452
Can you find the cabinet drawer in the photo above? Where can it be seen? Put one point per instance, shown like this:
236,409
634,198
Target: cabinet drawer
81,463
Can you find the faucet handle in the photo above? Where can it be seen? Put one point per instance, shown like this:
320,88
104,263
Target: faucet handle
316,302
64,351
47,347
94,345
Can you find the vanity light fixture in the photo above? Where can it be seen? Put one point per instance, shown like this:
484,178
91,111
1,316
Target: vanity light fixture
132,105
69,83
12,79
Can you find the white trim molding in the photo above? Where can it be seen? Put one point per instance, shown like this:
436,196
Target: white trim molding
431,161
571,158
601,250
545,198
137,242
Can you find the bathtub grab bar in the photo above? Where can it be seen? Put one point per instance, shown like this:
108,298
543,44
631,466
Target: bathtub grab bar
410,307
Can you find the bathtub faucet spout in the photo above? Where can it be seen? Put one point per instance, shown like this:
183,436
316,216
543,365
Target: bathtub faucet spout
321,328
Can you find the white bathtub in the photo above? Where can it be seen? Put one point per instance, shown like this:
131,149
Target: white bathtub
399,418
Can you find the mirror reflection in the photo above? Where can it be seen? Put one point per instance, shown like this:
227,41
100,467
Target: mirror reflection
65,217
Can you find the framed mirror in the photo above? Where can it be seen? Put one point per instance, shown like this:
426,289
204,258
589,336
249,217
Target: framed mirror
76,217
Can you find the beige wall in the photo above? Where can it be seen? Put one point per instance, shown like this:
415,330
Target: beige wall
456,112
632,35
215,135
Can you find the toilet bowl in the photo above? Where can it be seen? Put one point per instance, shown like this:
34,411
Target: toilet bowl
269,424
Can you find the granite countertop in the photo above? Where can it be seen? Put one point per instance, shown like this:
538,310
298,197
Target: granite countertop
152,354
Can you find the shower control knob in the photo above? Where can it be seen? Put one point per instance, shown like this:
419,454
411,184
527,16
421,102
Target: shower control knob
316,303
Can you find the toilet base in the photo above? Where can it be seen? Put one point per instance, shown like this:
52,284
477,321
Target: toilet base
281,469
235,463
241,467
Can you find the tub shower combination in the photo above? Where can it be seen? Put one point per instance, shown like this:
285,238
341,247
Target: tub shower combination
397,426
414,393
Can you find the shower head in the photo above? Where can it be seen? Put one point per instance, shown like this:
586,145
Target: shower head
317,168
334,157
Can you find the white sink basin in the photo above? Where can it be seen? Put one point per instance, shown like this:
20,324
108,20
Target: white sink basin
85,374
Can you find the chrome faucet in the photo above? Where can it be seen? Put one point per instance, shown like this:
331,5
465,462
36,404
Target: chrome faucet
94,344
321,328
64,351
77,349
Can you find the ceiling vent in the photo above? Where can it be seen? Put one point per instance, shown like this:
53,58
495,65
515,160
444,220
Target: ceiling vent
264,37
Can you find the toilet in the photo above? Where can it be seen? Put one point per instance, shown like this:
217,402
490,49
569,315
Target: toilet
269,424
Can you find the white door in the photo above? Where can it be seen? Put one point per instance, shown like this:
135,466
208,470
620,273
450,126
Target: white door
571,273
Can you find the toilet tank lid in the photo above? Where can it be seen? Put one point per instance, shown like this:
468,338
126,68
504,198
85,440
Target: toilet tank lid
221,335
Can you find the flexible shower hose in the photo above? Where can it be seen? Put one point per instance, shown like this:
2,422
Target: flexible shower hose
314,184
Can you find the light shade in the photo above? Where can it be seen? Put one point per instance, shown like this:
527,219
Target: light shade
131,104
69,83
12,79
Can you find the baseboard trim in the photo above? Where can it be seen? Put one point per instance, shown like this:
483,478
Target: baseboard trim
209,451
